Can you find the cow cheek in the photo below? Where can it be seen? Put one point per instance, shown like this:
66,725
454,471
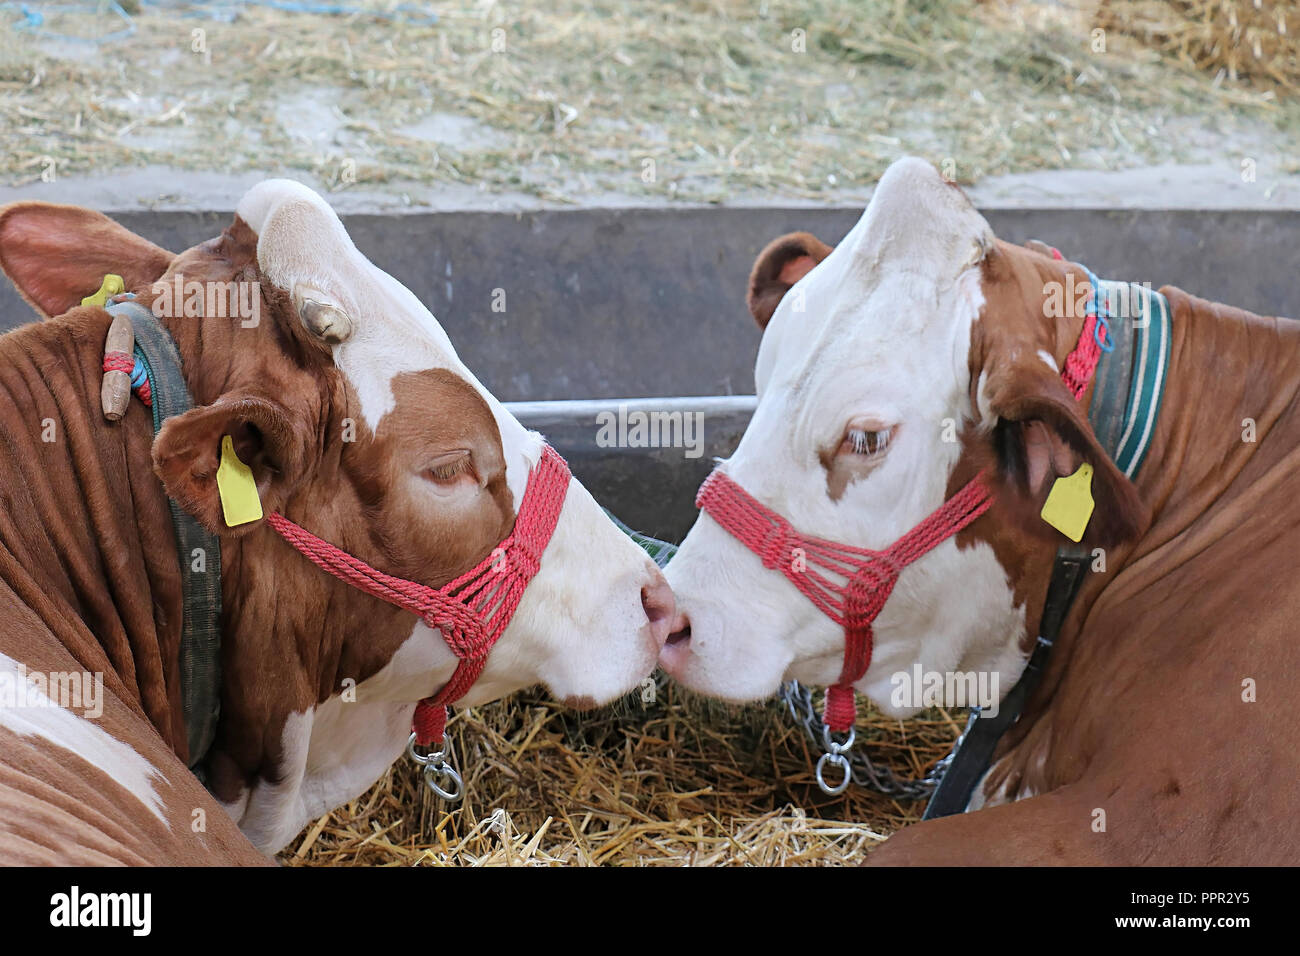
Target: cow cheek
449,532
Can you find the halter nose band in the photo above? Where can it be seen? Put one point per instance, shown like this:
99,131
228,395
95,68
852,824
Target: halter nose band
813,564
471,612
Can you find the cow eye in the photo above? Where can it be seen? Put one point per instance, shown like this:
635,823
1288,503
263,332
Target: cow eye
449,469
866,442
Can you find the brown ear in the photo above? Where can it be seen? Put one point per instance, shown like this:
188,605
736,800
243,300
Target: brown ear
778,267
1043,249
1041,434
58,255
266,436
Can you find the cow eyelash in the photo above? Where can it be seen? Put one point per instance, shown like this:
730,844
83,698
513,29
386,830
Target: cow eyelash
863,442
449,470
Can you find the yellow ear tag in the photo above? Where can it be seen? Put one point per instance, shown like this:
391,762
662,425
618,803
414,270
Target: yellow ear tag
112,286
1069,504
239,499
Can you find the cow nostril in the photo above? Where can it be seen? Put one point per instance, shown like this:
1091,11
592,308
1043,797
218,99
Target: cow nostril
680,636
657,599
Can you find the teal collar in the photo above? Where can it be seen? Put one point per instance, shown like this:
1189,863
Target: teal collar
1131,376
1133,332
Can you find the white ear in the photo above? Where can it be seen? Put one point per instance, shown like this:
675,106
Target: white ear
303,248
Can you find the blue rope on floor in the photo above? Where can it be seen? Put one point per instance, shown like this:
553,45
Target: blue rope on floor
33,20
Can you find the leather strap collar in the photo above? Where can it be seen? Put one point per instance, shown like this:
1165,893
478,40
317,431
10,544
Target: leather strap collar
198,551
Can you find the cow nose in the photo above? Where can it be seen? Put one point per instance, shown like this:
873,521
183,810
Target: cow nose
677,647
681,632
660,608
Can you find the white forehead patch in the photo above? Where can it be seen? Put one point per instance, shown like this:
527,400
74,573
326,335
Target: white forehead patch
302,243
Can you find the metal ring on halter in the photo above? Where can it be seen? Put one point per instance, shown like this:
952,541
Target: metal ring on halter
834,754
435,756
445,772
832,747
438,769
840,761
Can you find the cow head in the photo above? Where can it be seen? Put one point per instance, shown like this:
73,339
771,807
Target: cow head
360,423
892,370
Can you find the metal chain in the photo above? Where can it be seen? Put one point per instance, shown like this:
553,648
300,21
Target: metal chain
799,700
856,765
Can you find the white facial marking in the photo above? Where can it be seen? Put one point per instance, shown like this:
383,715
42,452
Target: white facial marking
40,716
884,334
1049,360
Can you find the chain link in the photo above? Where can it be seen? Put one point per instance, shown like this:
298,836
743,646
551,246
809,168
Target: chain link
799,701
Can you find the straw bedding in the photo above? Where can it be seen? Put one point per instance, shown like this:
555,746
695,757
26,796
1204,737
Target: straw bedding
1255,41
679,781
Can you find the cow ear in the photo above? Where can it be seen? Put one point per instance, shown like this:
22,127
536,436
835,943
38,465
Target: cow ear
268,438
58,255
1043,249
1042,434
778,267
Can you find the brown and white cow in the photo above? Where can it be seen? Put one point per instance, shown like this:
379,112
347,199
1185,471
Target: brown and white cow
361,425
1163,729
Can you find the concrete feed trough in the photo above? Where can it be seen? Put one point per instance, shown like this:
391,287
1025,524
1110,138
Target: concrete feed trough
565,314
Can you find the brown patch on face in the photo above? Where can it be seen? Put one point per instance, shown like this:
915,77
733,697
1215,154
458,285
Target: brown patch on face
436,532
1025,557
232,257
1032,405
844,469
580,703
837,477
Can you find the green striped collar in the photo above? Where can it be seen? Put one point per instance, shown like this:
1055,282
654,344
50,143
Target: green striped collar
1131,376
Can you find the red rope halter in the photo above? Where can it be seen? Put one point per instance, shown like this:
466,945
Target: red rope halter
472,611
868,576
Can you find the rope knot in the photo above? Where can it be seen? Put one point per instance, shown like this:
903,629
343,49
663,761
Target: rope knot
866,592
523,558
461,628
775,546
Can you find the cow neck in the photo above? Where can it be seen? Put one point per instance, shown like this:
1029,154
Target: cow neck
1131,328
1199,494
85,535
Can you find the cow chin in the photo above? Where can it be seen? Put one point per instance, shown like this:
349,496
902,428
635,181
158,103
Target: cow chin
581,629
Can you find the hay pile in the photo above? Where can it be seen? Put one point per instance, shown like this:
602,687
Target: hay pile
705,100
1250,40
680,781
